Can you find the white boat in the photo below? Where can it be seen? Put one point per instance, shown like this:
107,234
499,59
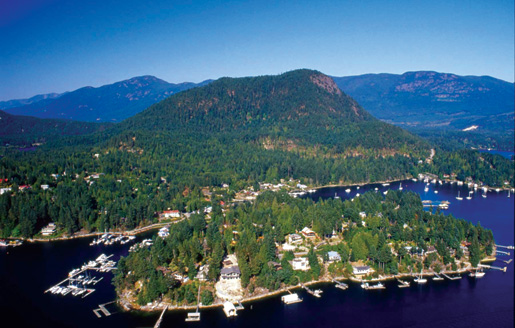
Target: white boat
336,196
508,193
367,286
385,184
311,191
459,198
347,190
420,280
469,197
436,191
400,186
414,180
497,189
376,189
426,189
385,192
357,195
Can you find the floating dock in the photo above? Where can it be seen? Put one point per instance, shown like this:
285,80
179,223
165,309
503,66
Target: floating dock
492,267
507,247
502,252
507,262
315,292
339,284
403,284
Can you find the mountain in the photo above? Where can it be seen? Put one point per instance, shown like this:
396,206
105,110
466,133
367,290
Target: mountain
26,130
109,103
22,102
431,99
299,107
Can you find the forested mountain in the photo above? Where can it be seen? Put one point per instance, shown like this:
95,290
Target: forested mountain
109,103
26,130
431,99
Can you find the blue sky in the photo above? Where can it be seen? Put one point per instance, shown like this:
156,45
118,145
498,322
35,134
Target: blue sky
60,45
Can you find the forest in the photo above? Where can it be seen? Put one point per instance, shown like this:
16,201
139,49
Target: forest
390,239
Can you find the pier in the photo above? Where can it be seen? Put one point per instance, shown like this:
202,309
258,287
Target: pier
195,316
239,306
507,262
315,293
158,323
451,278
340,285
507,247
492,267
502,252
102,308
403,283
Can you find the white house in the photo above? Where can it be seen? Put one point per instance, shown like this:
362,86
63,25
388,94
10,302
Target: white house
361,270
333,256
300,263
49,229
4,190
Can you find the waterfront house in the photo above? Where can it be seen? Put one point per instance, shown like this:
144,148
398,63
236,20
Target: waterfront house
300,263
333,256
308,233
49,229
232,272
294,239
361,270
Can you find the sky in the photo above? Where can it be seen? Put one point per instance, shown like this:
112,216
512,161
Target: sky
61,45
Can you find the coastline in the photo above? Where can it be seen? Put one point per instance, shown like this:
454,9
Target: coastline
160,306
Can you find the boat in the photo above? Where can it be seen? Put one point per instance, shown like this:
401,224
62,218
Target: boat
347,190
400,186
311,191
367,286
497,189
469,197
436,191
420,280
385,184
478,274
414,180
376,189
3,243
483,195
459,198
508,193
357,195
426,189
291,298
385,192
336,196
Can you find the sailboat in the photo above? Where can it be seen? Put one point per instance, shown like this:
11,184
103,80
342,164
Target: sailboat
509,193
400,186
426,189
420,280
336,196
459,198
478,274
469,197
484,194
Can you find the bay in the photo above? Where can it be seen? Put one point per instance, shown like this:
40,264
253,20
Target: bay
27,271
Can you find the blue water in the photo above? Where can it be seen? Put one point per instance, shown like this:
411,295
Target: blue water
25,272
503,153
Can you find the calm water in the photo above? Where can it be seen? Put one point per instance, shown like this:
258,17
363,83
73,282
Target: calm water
27,271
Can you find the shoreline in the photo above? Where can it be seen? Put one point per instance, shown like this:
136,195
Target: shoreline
159,307
93,234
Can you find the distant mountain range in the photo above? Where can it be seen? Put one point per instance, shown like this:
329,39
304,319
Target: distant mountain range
434,100
413,100
109,103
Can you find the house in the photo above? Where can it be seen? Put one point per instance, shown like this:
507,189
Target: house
300,263
308,233
232,272
294,239
362,215
163,232
361,270
202,273
49,229
44,187
24,187
171,214
333,256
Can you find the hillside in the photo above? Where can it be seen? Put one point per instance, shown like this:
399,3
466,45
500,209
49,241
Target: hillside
26,130
108,103
430,99
22,102
299,108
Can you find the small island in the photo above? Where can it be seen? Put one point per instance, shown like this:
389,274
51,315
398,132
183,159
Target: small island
249,250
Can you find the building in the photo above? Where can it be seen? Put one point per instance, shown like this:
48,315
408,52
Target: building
163,232
171,214
308,233
294,239
361,270
300,263
44,187
49,229
202,272
333,256
232,272
4,190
